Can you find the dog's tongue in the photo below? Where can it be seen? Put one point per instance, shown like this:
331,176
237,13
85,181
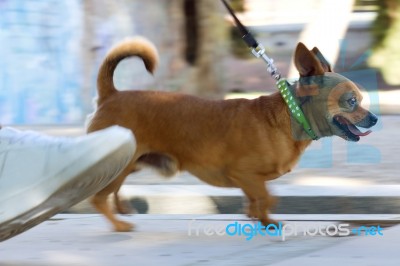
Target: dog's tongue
353,129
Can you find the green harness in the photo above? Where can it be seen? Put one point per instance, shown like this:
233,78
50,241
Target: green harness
294,107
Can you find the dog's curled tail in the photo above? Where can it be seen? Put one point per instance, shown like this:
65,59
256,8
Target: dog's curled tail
137,46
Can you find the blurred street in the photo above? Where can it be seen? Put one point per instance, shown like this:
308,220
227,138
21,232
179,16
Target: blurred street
192,240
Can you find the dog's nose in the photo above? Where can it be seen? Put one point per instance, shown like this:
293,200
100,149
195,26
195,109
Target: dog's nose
373,119
369,120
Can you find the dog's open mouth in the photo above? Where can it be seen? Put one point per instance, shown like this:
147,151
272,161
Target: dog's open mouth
351,132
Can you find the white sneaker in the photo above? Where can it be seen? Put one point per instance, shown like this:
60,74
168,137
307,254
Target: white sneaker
42,175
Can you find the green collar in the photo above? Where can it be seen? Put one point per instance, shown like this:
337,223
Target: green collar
294,107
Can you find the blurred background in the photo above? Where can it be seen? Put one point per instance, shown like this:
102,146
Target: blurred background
50,50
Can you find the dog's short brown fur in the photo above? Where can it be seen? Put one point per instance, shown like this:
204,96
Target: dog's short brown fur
227,143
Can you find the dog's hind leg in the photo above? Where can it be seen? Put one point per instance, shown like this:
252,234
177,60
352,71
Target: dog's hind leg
99,201
164,164
122,207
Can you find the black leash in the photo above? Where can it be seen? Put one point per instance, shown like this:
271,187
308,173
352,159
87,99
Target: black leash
257,49
247,37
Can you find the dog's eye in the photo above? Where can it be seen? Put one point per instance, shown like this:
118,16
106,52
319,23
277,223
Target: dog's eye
352,101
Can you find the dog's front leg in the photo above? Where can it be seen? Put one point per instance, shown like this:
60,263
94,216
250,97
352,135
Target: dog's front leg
260,201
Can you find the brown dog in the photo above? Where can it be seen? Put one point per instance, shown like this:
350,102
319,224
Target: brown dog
228,143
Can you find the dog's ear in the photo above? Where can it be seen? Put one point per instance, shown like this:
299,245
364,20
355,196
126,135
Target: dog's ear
306,62
325,64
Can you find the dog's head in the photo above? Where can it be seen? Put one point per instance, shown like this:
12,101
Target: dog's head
330,101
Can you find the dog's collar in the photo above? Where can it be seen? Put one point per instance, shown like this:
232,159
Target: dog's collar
295,108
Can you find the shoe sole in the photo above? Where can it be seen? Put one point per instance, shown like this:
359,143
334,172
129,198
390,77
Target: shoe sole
79,188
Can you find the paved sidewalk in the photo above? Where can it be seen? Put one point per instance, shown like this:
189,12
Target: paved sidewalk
165,240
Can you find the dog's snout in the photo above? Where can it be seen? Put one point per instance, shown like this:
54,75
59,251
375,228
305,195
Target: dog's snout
369,120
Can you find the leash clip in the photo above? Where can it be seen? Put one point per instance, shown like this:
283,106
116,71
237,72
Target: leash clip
259,52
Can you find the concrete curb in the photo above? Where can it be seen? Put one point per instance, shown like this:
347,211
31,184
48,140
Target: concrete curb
292,199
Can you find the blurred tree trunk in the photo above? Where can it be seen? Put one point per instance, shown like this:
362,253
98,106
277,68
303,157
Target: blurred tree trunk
91,15
191,45
104,23
205,35
386,30
175,42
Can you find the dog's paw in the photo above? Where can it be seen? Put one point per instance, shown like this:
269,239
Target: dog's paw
122,226
269,221
252,210
252,214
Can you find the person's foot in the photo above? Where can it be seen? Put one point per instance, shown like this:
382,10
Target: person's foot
42,175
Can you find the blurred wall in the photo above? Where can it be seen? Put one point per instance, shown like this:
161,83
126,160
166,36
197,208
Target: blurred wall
39,61
50,51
